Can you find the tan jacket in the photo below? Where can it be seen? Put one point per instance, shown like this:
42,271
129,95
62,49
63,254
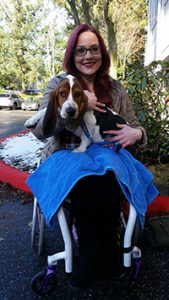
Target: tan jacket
120,103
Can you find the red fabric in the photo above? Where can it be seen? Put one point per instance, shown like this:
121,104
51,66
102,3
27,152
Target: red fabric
159,204
14,177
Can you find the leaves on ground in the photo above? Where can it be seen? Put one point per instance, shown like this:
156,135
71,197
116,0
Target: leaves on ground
7,192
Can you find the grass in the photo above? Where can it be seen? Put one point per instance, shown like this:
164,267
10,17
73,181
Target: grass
161,173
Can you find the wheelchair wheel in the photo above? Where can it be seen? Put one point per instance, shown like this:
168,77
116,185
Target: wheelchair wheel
33,232
137,234
38,228
43,283
132,276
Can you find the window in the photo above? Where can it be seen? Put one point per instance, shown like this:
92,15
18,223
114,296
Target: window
165,2
153,9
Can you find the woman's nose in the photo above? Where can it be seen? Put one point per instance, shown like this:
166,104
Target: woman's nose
88,54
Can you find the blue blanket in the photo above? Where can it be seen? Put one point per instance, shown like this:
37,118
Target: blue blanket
56,176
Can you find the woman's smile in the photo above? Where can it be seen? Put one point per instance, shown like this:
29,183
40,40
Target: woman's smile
88,64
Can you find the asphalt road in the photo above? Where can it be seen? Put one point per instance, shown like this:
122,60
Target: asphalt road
18,264
12,121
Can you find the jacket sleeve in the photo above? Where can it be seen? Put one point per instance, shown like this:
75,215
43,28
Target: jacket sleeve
127,112
52,85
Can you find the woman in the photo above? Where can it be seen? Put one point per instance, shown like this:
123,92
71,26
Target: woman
95,200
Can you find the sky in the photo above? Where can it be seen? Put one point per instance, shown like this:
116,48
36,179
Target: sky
57,14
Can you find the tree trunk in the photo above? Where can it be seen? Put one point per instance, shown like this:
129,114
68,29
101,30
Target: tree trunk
74,11
111,38
85,9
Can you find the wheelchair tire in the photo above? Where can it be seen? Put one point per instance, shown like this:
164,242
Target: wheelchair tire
34,217
43,284
41,234
38,229
137,234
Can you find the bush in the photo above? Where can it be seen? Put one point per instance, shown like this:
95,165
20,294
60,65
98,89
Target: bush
149,91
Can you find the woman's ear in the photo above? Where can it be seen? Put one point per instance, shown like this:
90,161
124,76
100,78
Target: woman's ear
50,117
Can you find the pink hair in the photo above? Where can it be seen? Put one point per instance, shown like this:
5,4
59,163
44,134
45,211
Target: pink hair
102,81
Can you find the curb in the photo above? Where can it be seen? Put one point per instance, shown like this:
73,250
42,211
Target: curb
11,175
14,177
17,179
159,205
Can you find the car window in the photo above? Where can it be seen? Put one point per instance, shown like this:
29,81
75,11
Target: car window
4,95
14,96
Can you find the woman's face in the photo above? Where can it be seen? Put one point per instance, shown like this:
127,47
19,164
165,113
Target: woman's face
88,62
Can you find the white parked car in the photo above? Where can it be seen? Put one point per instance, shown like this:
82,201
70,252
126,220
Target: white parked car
30,104
12,101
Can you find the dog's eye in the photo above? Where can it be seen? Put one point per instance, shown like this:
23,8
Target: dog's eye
77,94
62,94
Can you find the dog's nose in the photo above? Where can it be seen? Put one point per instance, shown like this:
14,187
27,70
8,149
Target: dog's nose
70,111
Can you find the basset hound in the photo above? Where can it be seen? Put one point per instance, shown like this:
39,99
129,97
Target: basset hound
67,108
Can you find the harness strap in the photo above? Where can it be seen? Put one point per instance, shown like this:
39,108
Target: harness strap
86,131
115,146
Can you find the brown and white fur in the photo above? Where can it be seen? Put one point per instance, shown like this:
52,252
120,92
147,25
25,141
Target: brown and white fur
67,108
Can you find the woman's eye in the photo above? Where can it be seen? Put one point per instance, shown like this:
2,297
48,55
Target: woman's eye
95,49
80,51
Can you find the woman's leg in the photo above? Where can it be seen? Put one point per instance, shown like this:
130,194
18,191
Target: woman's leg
96,208
84,199
109,209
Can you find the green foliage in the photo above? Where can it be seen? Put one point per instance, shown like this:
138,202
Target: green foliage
148,89
121,23
31,48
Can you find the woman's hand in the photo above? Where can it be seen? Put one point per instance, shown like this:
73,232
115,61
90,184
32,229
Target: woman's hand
126,135
93,104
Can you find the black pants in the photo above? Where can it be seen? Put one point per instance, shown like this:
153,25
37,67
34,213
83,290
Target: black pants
95,204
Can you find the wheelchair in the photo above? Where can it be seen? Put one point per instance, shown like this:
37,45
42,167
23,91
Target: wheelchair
129,232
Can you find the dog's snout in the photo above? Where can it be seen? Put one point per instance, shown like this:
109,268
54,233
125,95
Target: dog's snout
70,111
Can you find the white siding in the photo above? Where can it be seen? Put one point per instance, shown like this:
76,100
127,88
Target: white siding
157,47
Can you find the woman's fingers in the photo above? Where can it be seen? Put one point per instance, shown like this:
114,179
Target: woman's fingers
126,135
93,103
99,107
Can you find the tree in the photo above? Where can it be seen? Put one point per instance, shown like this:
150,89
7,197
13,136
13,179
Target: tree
31,50
121,23
21,22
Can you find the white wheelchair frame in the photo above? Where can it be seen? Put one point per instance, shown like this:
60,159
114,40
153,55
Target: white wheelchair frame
45,281
67,253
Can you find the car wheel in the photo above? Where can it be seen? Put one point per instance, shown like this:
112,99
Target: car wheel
15,106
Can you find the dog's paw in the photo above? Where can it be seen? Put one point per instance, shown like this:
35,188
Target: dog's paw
79,149
31,123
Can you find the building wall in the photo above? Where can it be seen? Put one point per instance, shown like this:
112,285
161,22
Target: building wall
157,46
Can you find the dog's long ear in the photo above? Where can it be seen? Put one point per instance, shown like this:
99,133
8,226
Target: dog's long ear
50,117
82,106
